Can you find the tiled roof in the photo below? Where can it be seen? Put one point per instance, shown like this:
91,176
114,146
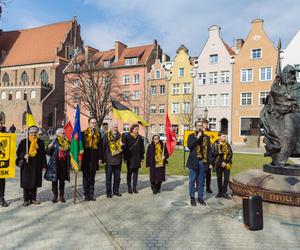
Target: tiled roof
36,45
230,51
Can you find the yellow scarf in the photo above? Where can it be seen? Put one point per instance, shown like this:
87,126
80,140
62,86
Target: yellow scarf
91,141
33,146
225,150
202,155
115,146
63,143
158,156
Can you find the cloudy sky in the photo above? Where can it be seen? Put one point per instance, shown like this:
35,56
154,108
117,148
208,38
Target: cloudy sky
171,22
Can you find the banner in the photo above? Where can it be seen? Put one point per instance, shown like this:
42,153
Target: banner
7,155
212,134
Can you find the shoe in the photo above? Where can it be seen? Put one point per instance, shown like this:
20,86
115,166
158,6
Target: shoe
193,202
154,192
86,198
201,201
26,203
4,203
226,196
219,195
54,200
118,194
92,198
208,190
62,199
35,202
130,190
135,191
109,196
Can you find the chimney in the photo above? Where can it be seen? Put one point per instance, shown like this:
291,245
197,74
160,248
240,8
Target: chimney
165,58
239,43
257,24
214,31
119,48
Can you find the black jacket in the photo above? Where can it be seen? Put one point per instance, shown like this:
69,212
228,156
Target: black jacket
217,157
107,157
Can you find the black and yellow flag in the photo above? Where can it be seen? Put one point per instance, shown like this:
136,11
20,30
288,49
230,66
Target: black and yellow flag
124,114
29,117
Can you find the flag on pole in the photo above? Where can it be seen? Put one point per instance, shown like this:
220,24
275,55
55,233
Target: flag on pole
29,117
76,149
171,136
69,130
123,113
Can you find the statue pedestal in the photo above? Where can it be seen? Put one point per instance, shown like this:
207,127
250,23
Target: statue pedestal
273,188
292,170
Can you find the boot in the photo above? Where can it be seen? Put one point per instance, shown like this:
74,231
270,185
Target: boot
130,190
62,199
3,202
54,200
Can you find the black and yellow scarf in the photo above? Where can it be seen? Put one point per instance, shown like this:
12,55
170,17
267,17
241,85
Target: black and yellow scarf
33,146
202,151
90,140
63,143
225,151
115,146
158,156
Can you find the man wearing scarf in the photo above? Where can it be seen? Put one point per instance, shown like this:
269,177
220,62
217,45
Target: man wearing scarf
3,203
113,151
92,157
198,161
33,162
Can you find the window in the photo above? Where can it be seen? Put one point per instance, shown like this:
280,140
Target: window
212,125
2,117
250,126
162,89
136,95
91,65
153,130
212,101
262,97
131,61
175,128
213,58
265,74
175,108
76,66
136,110
24,78
176,89
136,78
32,94
246,99
10,95
126,128
126,79
255,53
246,75
213,77
152,109
225,78
153,90
297,66
157,74
186,88
202,79
161,109
161,128
5,79
181,72
126,95
106,63
186,107
201,100
44,77
18,94
25,95
3,95
224,100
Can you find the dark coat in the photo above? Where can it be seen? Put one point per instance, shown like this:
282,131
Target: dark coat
57,169
156,174
31,172
2,129
192,161
107,157
91,156
134,150
217,157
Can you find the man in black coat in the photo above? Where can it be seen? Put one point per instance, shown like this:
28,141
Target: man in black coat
3,203
199,159
112,154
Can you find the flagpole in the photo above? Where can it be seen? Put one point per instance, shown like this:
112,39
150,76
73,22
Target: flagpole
75,188
26,131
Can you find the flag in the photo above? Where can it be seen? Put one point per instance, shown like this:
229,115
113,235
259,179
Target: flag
76,149
124,114
171,136
29,117
69,130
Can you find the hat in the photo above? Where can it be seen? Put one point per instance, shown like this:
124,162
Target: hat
59,131
33,129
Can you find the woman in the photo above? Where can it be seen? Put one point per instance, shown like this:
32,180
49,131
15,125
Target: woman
156,160
59,164
134,151
31,160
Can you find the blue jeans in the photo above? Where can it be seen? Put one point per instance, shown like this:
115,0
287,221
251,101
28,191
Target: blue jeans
193,173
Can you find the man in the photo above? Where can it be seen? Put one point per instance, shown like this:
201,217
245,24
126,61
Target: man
222,154
92,158
198,160
3,203
112,157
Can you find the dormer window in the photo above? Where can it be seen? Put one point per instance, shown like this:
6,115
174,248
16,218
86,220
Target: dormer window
106,63
76,66
91,65
131,61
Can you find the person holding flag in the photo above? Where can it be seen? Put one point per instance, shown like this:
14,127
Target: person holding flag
3,202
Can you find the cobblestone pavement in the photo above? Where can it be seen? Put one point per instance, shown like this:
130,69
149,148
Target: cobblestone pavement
136,221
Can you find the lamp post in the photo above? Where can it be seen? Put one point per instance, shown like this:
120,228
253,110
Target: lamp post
205,113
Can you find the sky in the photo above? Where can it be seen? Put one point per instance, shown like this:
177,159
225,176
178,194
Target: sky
171,22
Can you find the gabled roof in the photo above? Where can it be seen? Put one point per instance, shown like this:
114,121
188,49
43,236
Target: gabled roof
230,51
36,45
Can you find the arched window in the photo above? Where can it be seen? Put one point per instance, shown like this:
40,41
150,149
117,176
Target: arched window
157,74
3,95
44,77
10,95
32,94
24,119
18,94
5,79
24,78
2,118
25,95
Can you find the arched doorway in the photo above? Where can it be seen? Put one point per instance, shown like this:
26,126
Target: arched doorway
2,118
224,125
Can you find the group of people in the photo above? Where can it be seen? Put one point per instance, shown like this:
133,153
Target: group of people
111,148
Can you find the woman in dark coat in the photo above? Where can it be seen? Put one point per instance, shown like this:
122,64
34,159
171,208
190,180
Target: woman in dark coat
156,160
58,170
134,151
31,171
